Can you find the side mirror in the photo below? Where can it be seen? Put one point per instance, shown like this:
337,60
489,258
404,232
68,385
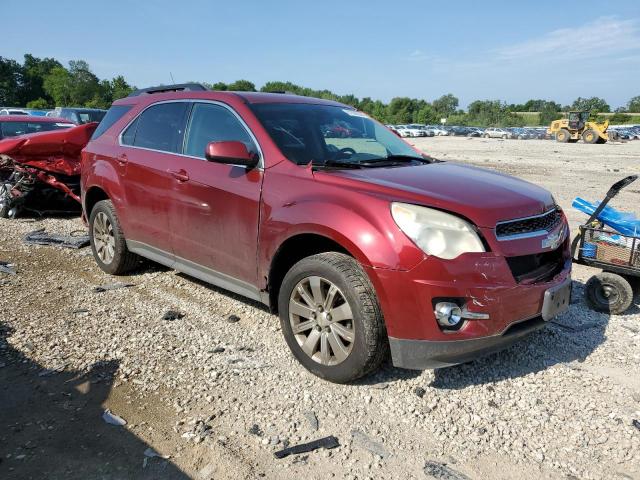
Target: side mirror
234,153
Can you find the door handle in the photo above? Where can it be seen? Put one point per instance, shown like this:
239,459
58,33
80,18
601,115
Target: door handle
180,175
122,159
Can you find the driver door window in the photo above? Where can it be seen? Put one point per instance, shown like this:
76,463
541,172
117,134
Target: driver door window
213,123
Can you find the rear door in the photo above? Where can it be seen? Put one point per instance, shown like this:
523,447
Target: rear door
215,212
145,162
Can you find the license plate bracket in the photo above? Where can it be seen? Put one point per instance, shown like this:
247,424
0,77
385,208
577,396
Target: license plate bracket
556,300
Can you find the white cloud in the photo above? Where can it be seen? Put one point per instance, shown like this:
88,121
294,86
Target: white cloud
605,36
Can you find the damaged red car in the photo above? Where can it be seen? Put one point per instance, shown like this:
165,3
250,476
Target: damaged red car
40,171
363,246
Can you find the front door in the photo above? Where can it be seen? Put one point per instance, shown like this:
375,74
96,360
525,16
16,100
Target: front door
215,209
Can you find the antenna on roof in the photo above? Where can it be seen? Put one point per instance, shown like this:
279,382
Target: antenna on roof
171,75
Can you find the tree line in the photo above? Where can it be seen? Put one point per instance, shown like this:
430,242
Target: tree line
45,83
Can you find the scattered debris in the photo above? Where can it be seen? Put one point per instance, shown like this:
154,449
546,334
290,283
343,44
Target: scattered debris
420,392
41,237
442,472
151,453
636,423
171,315
255,430
233,318
113,419
326,442
79,311
7,268
218,350
112,286
362,440
312,419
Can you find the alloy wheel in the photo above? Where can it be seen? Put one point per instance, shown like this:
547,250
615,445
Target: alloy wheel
103,238
321,320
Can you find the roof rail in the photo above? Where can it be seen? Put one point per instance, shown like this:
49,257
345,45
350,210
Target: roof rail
179,87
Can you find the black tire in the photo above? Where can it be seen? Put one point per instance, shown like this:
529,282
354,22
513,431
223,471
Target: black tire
563,136
590,136
123,260
4,207
609,293
504,137
370,346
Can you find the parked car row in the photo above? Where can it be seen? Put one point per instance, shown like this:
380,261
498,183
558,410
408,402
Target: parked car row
519,133
627,132
78,116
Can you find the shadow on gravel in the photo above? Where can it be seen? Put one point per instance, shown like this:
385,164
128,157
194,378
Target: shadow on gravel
569,338
51,425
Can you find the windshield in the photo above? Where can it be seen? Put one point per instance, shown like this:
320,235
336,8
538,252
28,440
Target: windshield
13,129
87,116
323,134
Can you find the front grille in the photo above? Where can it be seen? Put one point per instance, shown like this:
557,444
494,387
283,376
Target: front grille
546,221
539,267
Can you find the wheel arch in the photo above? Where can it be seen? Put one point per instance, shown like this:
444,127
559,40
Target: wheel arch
94,195
290,252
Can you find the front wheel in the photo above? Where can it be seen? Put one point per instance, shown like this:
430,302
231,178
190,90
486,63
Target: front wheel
563,136
331,318
609,293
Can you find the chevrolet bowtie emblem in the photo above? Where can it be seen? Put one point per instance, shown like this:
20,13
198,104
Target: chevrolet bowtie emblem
554,240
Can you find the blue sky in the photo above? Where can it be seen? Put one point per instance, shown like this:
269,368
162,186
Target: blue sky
505,50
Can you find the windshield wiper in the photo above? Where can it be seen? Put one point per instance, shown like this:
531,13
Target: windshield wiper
337,164
395,159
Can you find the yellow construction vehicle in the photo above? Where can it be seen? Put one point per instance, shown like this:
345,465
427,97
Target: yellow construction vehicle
577,126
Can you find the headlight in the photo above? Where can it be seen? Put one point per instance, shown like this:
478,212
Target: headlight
435,232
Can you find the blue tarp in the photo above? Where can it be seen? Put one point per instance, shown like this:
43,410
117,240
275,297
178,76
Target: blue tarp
625,223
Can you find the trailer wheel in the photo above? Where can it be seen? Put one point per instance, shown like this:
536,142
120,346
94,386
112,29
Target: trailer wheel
609,293
563,136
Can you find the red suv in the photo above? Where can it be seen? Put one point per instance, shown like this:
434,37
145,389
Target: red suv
361,245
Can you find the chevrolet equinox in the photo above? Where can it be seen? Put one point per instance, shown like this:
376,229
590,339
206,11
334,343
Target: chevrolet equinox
363,245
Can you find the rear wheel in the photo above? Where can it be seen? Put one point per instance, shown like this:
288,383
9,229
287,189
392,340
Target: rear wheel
563,136
590,136
107,240
331,318
609,293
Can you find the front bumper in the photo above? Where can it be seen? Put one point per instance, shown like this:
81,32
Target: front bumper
484,283
426,354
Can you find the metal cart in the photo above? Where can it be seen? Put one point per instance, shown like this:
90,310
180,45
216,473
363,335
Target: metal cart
617,255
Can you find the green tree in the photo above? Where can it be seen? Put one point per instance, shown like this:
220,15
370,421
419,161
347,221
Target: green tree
35,70
445,105
592,104
634,105
217,86
241,86
85,86
11,78
120,88
38,104
57,84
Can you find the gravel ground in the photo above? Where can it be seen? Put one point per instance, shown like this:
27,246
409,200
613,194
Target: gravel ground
218,392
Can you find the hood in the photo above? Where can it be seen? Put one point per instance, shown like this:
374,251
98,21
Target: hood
484,197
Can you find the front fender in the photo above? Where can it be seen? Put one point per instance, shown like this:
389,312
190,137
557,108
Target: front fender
365,229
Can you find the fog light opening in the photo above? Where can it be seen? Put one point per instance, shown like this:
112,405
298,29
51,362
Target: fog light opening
448,314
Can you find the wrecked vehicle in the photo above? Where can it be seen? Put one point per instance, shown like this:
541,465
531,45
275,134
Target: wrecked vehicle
40,172
361,245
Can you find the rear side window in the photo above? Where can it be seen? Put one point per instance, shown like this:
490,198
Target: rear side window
114,114
213,123
160,127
